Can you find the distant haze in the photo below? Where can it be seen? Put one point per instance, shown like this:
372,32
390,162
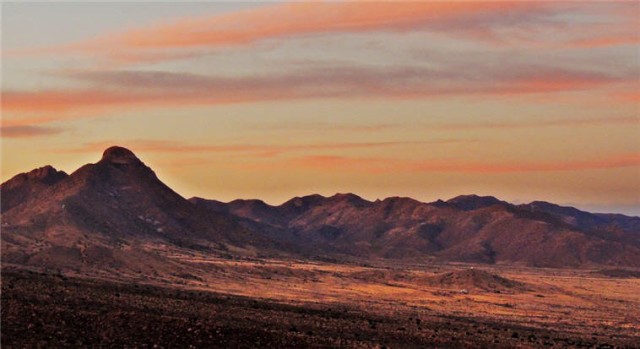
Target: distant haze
521,100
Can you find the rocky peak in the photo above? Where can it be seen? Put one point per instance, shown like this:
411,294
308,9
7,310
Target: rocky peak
47,175
119,155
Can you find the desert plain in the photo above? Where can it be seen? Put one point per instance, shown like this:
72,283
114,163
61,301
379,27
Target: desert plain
231,301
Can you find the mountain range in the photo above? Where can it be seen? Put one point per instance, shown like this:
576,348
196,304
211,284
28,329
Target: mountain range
107,214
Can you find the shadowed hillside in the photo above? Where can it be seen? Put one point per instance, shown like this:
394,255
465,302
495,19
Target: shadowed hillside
117,212
104,213
467,228
475,279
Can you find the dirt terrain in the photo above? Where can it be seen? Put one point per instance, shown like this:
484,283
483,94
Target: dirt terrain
271,303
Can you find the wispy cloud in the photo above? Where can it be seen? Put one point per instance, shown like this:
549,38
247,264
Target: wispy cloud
388,165
324,127
479,20
27,131
615,161
173,39
461,126
526,124
607,40
260,150
144,89
629,97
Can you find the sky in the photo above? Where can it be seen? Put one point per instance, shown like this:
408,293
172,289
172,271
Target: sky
520,100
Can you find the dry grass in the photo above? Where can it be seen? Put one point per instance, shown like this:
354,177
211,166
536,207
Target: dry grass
576,300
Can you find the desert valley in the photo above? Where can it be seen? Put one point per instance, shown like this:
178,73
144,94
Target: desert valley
320,174
109,255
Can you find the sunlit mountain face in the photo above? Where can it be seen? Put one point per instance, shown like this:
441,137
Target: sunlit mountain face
520,100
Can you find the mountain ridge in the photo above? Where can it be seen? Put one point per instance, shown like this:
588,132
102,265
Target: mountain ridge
119,201
114,206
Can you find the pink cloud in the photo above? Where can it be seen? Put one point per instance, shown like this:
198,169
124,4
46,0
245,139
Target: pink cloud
143,90
252,150
158,42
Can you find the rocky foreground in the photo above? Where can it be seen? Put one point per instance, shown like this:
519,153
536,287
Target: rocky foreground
47,310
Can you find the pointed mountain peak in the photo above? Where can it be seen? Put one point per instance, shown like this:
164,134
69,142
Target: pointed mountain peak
119,155
118,164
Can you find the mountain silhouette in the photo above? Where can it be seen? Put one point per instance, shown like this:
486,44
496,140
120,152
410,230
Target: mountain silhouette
467,228
110,212
104,212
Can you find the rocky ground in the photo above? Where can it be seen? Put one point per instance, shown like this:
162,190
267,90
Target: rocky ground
50,311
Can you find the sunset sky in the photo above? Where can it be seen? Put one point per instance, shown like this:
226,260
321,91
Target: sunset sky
520,100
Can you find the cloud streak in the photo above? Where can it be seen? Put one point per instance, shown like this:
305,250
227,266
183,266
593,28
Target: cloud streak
27,131
259,150
526,124
472,126
170,40
359,164
387,165
478,20
147,89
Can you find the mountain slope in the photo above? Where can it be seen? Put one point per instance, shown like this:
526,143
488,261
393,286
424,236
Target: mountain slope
612,223
117,213
25,185
467,228
104,209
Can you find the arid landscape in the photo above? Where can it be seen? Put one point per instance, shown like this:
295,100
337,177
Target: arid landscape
320,174
109,255
267,303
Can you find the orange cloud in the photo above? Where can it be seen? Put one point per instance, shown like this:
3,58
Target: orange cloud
323,127
617,161
56,105
338,163
61,101
574,122
122,89
386,165
283,20
629,97
27,131
259,150
605,41
193,36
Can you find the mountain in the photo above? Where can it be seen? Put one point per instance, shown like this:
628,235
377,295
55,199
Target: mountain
467,228
108,213
117,214
585,220
474,202
25,185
